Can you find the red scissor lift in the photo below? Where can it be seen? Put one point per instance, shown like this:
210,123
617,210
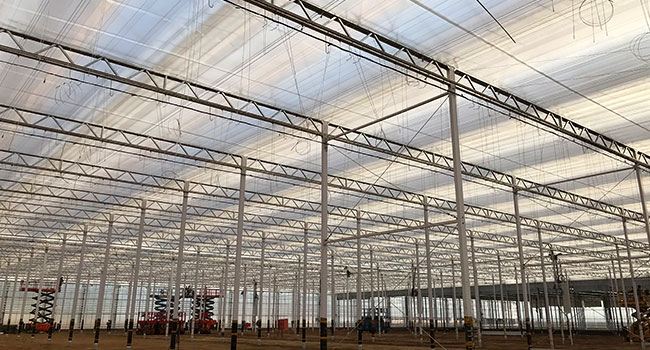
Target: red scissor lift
203,322
156,322
43,321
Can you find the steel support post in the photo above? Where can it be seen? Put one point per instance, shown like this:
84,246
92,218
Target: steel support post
468,319
323,237
634,287
547,311
260,296
418,283
75,298
59,273
444,313
195,295
65,290
13,296
372,297
238,249
170,296
128,300
148,295
477,297
244,290
359,323
21,320
304,288
5,294
333,294
620,273
268,305
529,338
102,283
518,302
427,253
503,306
455,313
616,290
224,304
176,299
136,274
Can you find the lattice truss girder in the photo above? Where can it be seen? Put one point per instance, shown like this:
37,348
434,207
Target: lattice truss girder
156,82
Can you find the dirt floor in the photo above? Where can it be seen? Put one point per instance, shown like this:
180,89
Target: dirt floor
343,340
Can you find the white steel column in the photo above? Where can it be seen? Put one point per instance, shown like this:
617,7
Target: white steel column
323,238
453,298
549,324
175,325
620,272
333,295
243,302
13,295
477,297
503,307
427,253
195,296
258,322
102,282
75,298
238,249
359,324
460,213
372,297
21,320
136,273
304,289
634,288
168,303
224,283
522,267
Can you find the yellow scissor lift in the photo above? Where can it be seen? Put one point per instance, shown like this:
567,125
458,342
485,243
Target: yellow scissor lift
644,307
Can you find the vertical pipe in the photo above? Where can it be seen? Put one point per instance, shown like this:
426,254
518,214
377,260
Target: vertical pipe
323,237
148,294
21,321
460,213
547,310
443,301
477,297
195,296
136,273
57,287
623,291
5,294
128,300
225,291
418,284
616,290
238,249
13,295
333,295
261,294
358,286
634,290
243,301
170,295
175,324
304,288
372,298
518,301
102,282
268,305
427,254
112,316
75,298
522,267
503,307
453,298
